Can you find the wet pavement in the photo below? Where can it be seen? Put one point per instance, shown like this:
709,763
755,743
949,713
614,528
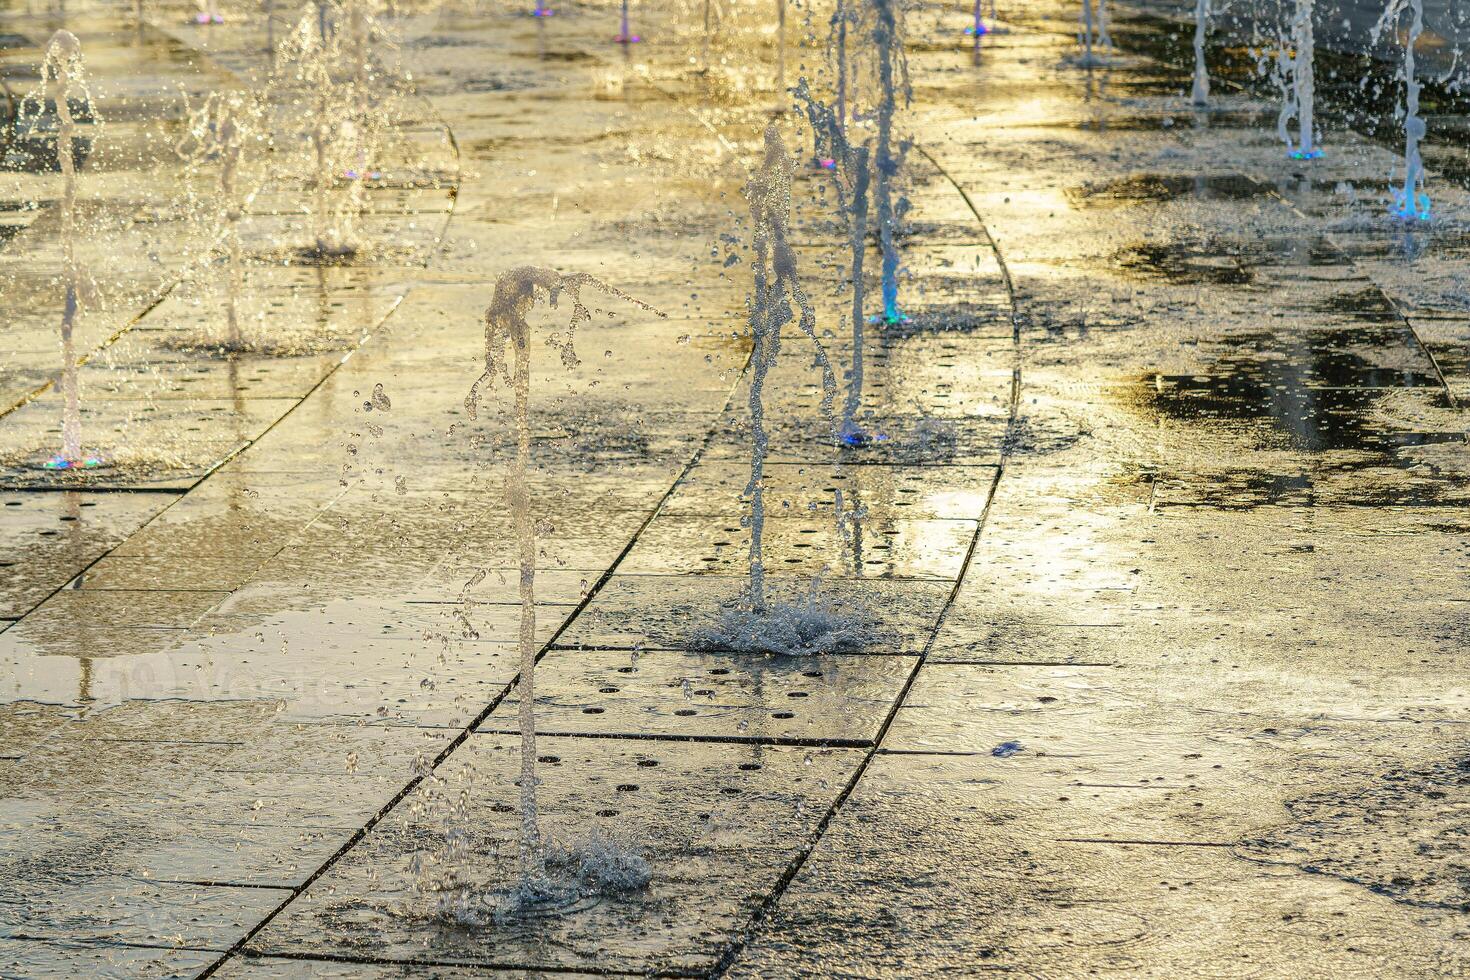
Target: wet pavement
1162,542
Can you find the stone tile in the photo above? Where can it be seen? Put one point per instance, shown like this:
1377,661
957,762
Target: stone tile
673,694
50,537
718,822
715,489
981,892
40,958
808,544
122,909
152,608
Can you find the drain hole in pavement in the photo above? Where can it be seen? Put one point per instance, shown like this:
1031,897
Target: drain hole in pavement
591,711
782,714
628,788
750,766
684,712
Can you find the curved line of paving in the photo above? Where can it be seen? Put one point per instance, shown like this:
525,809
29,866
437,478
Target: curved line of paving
1013,408
241,947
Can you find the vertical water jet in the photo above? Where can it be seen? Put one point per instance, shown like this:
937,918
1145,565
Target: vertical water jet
63,84
1411,201
508,361
892,78
1303,84
776,290
850,177
625,32
1200,94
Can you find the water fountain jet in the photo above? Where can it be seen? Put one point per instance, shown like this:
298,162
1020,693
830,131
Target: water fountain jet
221,129
1200,93
506,329
625,32
850,177
892,78
63,84
1303,87
1411,201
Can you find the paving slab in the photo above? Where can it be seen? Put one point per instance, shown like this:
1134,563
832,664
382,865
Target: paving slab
832,699
689,806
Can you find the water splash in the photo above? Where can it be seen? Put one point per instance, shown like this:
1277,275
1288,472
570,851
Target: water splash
575,872
811,625
64,85
508,360
1411,201
1087,36
219,130
776,289
1200,94
893,78
850,177
328,72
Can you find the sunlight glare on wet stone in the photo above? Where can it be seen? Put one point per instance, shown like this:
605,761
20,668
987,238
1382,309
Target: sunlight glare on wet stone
733,490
